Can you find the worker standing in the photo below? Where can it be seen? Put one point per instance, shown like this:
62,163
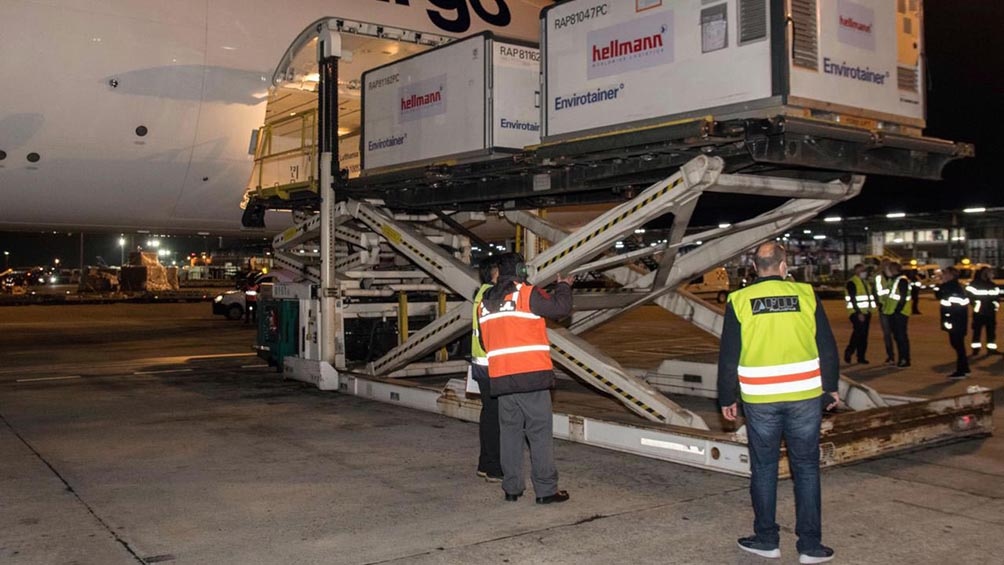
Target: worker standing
897,308
883,285
985,297
514,334
860,305
777,346
955,318
489,464
251,288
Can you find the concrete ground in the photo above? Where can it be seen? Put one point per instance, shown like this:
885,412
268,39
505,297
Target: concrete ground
147,434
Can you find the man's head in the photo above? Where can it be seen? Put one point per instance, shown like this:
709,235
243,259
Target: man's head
984,274
885,267
949,274
770,260
860,270
488,270
895,268
511,266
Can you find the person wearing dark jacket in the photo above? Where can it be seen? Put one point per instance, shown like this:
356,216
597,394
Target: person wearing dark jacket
985,296
514,334
778,350
955,318
489,465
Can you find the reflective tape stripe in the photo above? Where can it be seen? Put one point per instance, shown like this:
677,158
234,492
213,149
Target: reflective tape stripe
977,346
520,349
513,314
483,361
779,378
782,388
779,370
955,300
992,346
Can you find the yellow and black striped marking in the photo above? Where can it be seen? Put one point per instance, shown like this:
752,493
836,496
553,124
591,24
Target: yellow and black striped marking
614,221
610,386
394,236
416,342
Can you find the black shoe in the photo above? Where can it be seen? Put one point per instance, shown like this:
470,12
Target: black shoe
903,363
822,554
864,362
512,497
890,361
958,375
757,547
847,357
559,496
992,352
975,352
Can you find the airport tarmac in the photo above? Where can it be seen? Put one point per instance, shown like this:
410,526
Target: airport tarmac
147,433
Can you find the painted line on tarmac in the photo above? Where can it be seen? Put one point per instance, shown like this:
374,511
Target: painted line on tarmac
261,366
40,379
163,372
222,355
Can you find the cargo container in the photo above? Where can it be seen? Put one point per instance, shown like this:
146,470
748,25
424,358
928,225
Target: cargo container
474,98
618,65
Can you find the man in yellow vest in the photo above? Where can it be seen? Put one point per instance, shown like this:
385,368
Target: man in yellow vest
489,464
860,305
883,286
778,350
897,308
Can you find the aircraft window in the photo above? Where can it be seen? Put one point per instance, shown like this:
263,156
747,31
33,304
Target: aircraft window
3,155
33,157
141,131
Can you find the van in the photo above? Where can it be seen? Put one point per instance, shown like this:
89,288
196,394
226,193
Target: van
711,285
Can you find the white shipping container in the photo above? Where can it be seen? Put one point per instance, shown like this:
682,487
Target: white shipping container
470,99
612,65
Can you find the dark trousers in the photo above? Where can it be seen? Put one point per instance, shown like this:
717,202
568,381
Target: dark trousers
859,336
488,425
898,325
958,342
988,322
798,423
887,336
526,418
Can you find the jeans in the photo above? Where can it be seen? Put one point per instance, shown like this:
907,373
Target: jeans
887,336
898,324
488,425
859,336
798,422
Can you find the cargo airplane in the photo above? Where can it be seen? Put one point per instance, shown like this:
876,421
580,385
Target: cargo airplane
136,115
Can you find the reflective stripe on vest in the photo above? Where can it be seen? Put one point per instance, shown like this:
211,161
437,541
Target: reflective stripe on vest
514,337
478,355
892,300
955,301
779,360
864,300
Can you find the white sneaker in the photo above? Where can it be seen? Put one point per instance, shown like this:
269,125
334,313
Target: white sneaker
821,555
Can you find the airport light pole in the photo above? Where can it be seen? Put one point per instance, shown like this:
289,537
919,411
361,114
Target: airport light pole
122,243
6,260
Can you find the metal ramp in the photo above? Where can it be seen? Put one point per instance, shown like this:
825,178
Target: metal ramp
390,246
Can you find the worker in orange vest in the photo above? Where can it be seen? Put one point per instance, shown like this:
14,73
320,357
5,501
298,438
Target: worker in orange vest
514,334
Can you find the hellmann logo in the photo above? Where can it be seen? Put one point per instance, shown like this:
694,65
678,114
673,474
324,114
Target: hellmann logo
419,101
850,22
618,48
586,98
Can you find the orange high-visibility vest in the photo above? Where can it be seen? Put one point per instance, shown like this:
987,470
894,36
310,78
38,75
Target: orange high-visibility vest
514,337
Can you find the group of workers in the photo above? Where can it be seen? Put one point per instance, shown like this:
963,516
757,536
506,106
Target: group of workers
778,354
890,294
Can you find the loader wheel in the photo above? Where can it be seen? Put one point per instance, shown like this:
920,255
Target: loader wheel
235,312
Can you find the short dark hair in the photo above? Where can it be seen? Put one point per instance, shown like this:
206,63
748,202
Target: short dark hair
486,268
952,271
769,256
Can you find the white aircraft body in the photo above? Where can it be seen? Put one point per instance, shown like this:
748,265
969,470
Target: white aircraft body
137,115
